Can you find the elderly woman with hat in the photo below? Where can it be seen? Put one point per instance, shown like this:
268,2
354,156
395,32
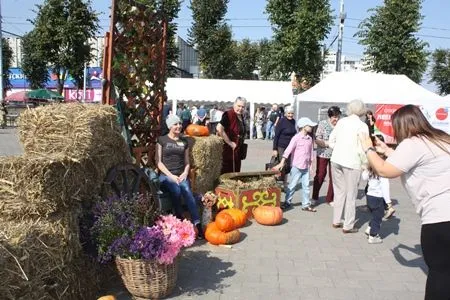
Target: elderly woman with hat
172,156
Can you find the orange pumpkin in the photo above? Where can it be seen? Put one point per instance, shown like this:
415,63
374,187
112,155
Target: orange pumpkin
268,215
225,222
108,297
217,237
197,130
239,217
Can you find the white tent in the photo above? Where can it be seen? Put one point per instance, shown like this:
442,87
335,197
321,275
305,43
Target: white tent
371,88
223,91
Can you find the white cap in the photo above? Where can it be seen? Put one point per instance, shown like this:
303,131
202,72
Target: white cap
302,122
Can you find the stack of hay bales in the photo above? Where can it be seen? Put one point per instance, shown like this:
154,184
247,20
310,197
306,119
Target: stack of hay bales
68,150
206,159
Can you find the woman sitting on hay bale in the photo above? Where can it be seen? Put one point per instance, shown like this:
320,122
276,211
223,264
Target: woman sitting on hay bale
172,156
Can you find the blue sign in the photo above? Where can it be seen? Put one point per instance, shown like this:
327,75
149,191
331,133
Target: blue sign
19,81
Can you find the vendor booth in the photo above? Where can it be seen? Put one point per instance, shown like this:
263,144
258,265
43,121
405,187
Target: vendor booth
382,92
214,91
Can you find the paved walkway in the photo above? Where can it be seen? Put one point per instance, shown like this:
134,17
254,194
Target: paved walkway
304,258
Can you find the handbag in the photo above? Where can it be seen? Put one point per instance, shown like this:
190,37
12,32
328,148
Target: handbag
243,151
274,160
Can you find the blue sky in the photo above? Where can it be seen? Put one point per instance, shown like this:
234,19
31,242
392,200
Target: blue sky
248,20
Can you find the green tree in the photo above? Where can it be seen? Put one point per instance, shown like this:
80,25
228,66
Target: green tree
247,54
440,70
34,61
62,31
7,56
212,38
299,28
388,35
170,9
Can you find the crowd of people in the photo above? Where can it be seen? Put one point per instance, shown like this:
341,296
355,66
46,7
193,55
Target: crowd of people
348,150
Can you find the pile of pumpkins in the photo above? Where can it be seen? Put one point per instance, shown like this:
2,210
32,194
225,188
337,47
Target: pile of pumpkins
224,230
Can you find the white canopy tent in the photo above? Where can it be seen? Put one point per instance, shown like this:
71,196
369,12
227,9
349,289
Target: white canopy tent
223,91
371,88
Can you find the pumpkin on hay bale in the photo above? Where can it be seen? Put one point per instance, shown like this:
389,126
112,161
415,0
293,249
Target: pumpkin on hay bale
197,130
206,160
42,259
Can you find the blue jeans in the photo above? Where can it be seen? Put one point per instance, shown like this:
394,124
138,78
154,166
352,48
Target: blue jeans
270,130
297,176
376,207
176,191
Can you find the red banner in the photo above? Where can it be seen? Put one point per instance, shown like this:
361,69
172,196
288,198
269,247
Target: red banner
383,113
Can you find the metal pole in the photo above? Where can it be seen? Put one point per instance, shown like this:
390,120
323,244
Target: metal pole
1,54
84,82
342,16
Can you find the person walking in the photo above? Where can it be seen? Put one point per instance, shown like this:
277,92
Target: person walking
346,162
323,163
422,160
186,117
272,119
3,114
284,132
301,149
260,118
232,129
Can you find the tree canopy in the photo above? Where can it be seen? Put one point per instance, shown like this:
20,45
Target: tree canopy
61,33
388,35
212,38
299,26
7,55
440,70
34,61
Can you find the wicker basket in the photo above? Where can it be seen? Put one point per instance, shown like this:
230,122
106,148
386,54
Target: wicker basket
147,279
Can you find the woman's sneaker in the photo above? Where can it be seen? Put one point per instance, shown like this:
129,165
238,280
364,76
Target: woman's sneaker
375,239
389,211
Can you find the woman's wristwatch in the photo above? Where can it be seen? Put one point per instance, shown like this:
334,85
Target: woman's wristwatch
370,149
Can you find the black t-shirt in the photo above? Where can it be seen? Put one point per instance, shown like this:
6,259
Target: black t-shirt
273,116
172,153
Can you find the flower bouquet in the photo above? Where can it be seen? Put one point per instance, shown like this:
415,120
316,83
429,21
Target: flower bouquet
208,200
145,245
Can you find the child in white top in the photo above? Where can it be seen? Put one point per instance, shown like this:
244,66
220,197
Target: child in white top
377,191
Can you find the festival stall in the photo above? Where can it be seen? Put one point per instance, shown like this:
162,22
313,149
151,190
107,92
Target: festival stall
226,91
385,92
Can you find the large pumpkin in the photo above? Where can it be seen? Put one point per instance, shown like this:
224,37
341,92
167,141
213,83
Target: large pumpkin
197,130
217,237
239,217
268,215
225,222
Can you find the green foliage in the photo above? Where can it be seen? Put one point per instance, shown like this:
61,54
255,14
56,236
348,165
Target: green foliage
212,38
34,64
247,55
299,27
389,38
7,56
62,30
440,70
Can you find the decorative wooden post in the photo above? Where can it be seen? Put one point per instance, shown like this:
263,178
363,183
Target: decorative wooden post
135,67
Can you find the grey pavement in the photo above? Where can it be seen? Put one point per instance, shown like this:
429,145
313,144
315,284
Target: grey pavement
304,257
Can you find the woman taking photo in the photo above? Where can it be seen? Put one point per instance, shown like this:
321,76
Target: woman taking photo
422,160
172,156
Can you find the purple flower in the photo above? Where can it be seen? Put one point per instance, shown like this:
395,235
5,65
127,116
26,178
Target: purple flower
149,243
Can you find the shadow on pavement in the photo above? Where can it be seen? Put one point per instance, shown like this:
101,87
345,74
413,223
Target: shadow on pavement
416,262
200,273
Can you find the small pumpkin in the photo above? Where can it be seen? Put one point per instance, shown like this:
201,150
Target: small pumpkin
239,217
268,215
108,297
197,130
217,237
225,222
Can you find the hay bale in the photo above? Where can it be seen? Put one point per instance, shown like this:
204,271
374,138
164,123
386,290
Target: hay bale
206,159
39,186
76,130
248,182
43,260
